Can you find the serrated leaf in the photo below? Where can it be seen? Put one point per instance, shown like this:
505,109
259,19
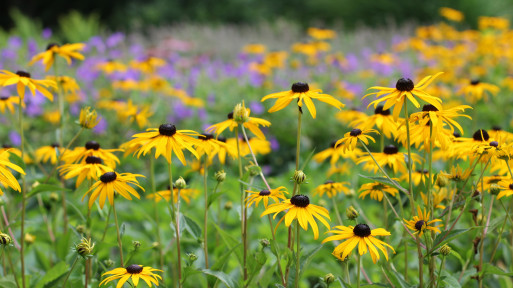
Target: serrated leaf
230,242
449,280
395,278
52,275
219,264
191,226
385,180
223,277
489,269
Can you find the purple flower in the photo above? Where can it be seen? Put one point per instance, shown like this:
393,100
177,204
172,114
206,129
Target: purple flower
256,107
101,127
115,39
47,33
14,138
14,42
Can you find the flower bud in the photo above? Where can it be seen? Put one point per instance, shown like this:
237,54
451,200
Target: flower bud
351,213
108,263
155,245
442,180
220,176
84,248
495,189
264,242
329,278
29,238
240,113
81,229
54,197
228,205
136,244
88,118
180,183
299,176
445,250
5,239
254,170
192,257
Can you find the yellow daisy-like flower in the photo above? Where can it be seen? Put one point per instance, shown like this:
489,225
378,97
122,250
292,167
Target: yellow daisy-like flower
48,153
6,177
8,102
208,145
506,188
166,140
111,66
451,14
439,117
438,198
186,194
148,65
301,91
299,207
135,113
66,51
88,118
376,190
332,188
321,34
405,89
91,148
457,174
252,125
111,182
381,119
92,168
255,197
135,273
336,153
362,236
66,83
476,89
390,157
351,138
259,146
495,179
421,223
22,80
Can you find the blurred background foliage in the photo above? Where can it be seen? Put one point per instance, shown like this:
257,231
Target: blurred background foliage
79,19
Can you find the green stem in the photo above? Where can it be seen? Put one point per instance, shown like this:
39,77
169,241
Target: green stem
432,264
379,166
117,232
298,246
498,239
12,266
156,212
440,272
205,215
336,211
106,223
172,194
348,277
358,270
178,249
23,194
69,273
242,194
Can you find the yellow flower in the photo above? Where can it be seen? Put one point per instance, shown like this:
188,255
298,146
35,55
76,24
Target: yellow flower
476,89
252,124
332,188
451,14
457,174
390,157
506,187
299,207
351,138
336,153
254,49
321,34
48,153
8,102
381,119
91,148
88,118
111,66
66,51
166,139
139,114
301,91
6,178
363,237
439,117
421,222
438,198
186,194
255,197
66,83
405,89
135,273
53,117
111,182
22,80
208,145
493,22
258,146
148,65
90,170
376,190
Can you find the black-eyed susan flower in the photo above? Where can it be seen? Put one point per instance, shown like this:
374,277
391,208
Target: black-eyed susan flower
265,195
6,178
301,91
438,198
166,140
66,51
498,133
299,207
390,157
457,173
381,119
351,138
251,124
488,181
88,118
226,149
111,182
91,148
376,190
91,169
439,117
139,114
259,146
67,84
186,194
8,102
321,34
421,222
148,65
506,187
48,153
332,188
22,80
135,273
451,14
362,236
337,153
476,89
405,89
208,145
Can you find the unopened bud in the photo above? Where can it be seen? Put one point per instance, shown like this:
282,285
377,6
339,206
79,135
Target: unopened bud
29,238
54,197
445,250
228,205
495,189
180,183
264,242
299,176
329,278
84,248
108,263
88,118
351,213
220,176
136,244
254,170
192,257
81,229
240,113
5,239
442,180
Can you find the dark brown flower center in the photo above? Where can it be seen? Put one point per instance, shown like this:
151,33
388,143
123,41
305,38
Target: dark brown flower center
329,182
333,143
23,74
419,225
6,146
425,171
92,145
108,177
474,82
300,87
206,137
429,107
494,144
362,230
167,129
93,160
55,145
51,45
481,135
456,134
221,139
511,186
379,110
230,115
496,128
355,132
404,84
134,269
3,98
390,149
300,201
264,192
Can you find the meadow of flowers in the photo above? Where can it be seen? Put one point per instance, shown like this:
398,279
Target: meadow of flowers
130,165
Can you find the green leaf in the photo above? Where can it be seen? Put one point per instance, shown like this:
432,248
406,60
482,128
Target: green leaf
308,159
343,283
53,275
42,259
219,264
213,197
447,236
15,159
63,246
41,188
223,277
395,278
449,280
307,258
122,229
489,269
8,282
190,226
230,242
258,262
385,180
189,271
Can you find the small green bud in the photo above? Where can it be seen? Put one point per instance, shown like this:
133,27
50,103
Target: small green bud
108,263
84,248
136,244
54,197
351,213
192,257
5,239
228,205
253,170
445,250
240,113
442,180
180,183
220,176
495,189
329,278
81,229
264,242
299,176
